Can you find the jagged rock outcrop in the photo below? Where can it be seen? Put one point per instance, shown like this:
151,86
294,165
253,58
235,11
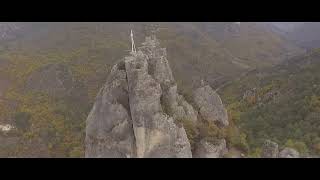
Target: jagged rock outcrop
134,114
210,106
205,149
156,134
109,130
139,112
270,149
289,153
174,104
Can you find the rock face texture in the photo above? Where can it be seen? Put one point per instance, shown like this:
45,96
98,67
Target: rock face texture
210,106
109,124
289,153
207,149
156,134
134,113
270,149
138,112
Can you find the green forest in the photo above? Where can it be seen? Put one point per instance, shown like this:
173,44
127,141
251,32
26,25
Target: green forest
277,99
284,105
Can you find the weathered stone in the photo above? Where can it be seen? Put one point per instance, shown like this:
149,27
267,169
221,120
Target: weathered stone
289,153
135,114
210,106
176,105
128,118
159,69
270,149
109,130
205,149
156,134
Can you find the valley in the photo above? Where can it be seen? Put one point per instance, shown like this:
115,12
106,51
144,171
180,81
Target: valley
51,74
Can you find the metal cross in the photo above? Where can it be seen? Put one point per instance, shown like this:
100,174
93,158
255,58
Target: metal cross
133,47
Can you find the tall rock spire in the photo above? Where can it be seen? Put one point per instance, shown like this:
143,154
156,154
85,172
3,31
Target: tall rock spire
139,112
129,119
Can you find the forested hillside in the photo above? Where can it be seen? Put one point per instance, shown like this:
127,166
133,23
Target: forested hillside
279,103
51,72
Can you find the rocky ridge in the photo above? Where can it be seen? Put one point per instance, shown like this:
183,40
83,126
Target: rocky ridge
138,112
270,149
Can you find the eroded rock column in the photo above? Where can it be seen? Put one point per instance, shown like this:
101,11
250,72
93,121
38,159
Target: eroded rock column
109,130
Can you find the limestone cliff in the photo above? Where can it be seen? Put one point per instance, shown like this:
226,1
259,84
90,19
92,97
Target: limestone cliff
137,112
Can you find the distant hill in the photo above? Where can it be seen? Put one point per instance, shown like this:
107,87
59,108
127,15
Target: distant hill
8,30
303,34
307,35
216,52
251,43
280,103
287,26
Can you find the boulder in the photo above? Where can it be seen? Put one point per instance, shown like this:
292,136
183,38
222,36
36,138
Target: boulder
210,106
206,149
289,153
270,149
